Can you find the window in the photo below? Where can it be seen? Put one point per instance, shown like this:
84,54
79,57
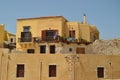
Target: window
100,72
30,51
26,28
11,40
80,50
52,49
70,49
26,37
20,70
52,70
72,33
42,49
49,35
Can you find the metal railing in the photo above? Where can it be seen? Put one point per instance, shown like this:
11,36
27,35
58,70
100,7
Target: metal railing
25,39
37,39
48,39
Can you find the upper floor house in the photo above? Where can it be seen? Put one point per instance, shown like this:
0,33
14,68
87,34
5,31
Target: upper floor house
52,29
6,39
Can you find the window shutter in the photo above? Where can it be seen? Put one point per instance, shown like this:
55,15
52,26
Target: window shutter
43,35
73,34
70,33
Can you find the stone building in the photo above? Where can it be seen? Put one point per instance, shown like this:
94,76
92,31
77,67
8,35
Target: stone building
52,48
35,33
6,37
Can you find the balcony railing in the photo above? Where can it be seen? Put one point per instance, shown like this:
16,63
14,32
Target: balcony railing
26,39
37,39
40,40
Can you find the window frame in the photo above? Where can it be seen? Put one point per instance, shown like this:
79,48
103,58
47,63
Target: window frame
52,71
41,48
52,49
70,49
11,40
31,52
100,72
49,35
26,37
20,71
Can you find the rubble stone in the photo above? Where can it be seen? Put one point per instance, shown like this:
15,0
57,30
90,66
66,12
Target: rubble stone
104,47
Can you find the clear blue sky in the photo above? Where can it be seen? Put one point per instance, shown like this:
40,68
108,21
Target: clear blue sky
105,14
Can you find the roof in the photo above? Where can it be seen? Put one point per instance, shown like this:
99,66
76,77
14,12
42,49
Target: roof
11,34
45,17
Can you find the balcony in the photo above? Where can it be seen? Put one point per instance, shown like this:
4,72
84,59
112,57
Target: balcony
29,39
50,40
36,40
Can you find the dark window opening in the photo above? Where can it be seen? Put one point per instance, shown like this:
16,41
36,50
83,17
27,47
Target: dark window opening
72,33
20,70
80,50
100,72
42,49
49,35
70,49
11,40
52,70
26,37
52,49
31,51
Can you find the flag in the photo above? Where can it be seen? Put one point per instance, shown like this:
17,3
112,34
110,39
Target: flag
56,35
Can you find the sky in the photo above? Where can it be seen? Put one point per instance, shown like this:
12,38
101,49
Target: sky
105,14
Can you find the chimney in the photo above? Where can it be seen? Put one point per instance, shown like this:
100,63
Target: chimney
84,19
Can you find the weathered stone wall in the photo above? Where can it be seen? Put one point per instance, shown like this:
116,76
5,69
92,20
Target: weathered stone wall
37,66
104,47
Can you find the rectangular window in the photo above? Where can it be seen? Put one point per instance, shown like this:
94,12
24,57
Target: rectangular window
31,51
72,33
49,35
43,49
100,72
26,28
26,37
20,70
52,70
52,49
11,40
49,32
70,49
